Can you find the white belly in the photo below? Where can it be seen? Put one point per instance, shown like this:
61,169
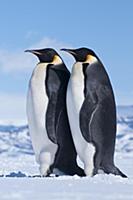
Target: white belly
75,99
37,102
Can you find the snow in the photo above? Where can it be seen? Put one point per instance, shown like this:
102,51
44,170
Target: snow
100,187
17,165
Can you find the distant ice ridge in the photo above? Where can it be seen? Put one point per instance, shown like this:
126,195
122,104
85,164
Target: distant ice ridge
125,111
15,139
124,142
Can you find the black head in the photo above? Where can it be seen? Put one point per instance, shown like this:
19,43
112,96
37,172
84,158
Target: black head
47,55
82,54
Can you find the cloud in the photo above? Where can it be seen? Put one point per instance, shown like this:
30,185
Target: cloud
19,61
12,108
48,42
14,61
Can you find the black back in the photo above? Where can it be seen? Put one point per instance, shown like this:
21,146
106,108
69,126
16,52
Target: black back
57,123
56,85
98,92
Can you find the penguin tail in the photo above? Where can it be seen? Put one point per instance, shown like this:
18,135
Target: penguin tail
121,173
113,170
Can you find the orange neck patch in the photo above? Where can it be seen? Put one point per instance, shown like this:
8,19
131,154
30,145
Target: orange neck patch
90,59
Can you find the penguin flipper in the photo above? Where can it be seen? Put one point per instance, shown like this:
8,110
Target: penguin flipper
52,87
50,119
86,113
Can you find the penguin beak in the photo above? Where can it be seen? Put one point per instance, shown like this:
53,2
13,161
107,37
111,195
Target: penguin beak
33,51
71,51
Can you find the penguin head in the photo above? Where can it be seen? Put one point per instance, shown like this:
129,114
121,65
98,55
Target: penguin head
47,55
83,55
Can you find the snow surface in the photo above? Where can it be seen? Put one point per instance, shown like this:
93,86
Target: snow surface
17,165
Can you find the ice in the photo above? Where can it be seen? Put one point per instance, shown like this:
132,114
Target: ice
18,167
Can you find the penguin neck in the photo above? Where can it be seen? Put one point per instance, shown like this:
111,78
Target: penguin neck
91,60
77,69
57,60
40,68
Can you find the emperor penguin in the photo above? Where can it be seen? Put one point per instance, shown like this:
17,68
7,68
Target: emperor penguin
92,113
47,115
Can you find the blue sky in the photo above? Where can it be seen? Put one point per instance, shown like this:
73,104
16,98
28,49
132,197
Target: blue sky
105,26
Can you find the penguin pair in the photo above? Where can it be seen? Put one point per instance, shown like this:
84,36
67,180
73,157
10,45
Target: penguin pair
91,111
47,116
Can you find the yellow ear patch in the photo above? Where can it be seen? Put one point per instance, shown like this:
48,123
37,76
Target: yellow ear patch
90,59
56,60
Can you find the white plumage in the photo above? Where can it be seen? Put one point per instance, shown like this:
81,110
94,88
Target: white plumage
37,102
75,99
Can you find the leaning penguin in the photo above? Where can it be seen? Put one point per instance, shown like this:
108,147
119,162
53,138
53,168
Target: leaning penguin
47,116
92,113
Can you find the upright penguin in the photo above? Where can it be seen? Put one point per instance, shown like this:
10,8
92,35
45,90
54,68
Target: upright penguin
92,113
47,115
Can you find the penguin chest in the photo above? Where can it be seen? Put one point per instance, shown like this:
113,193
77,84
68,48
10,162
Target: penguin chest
76,87
75,98
37,103
37,95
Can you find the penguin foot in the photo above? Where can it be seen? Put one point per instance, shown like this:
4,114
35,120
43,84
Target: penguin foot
77,171
71,171
80,172
57,172
45,170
